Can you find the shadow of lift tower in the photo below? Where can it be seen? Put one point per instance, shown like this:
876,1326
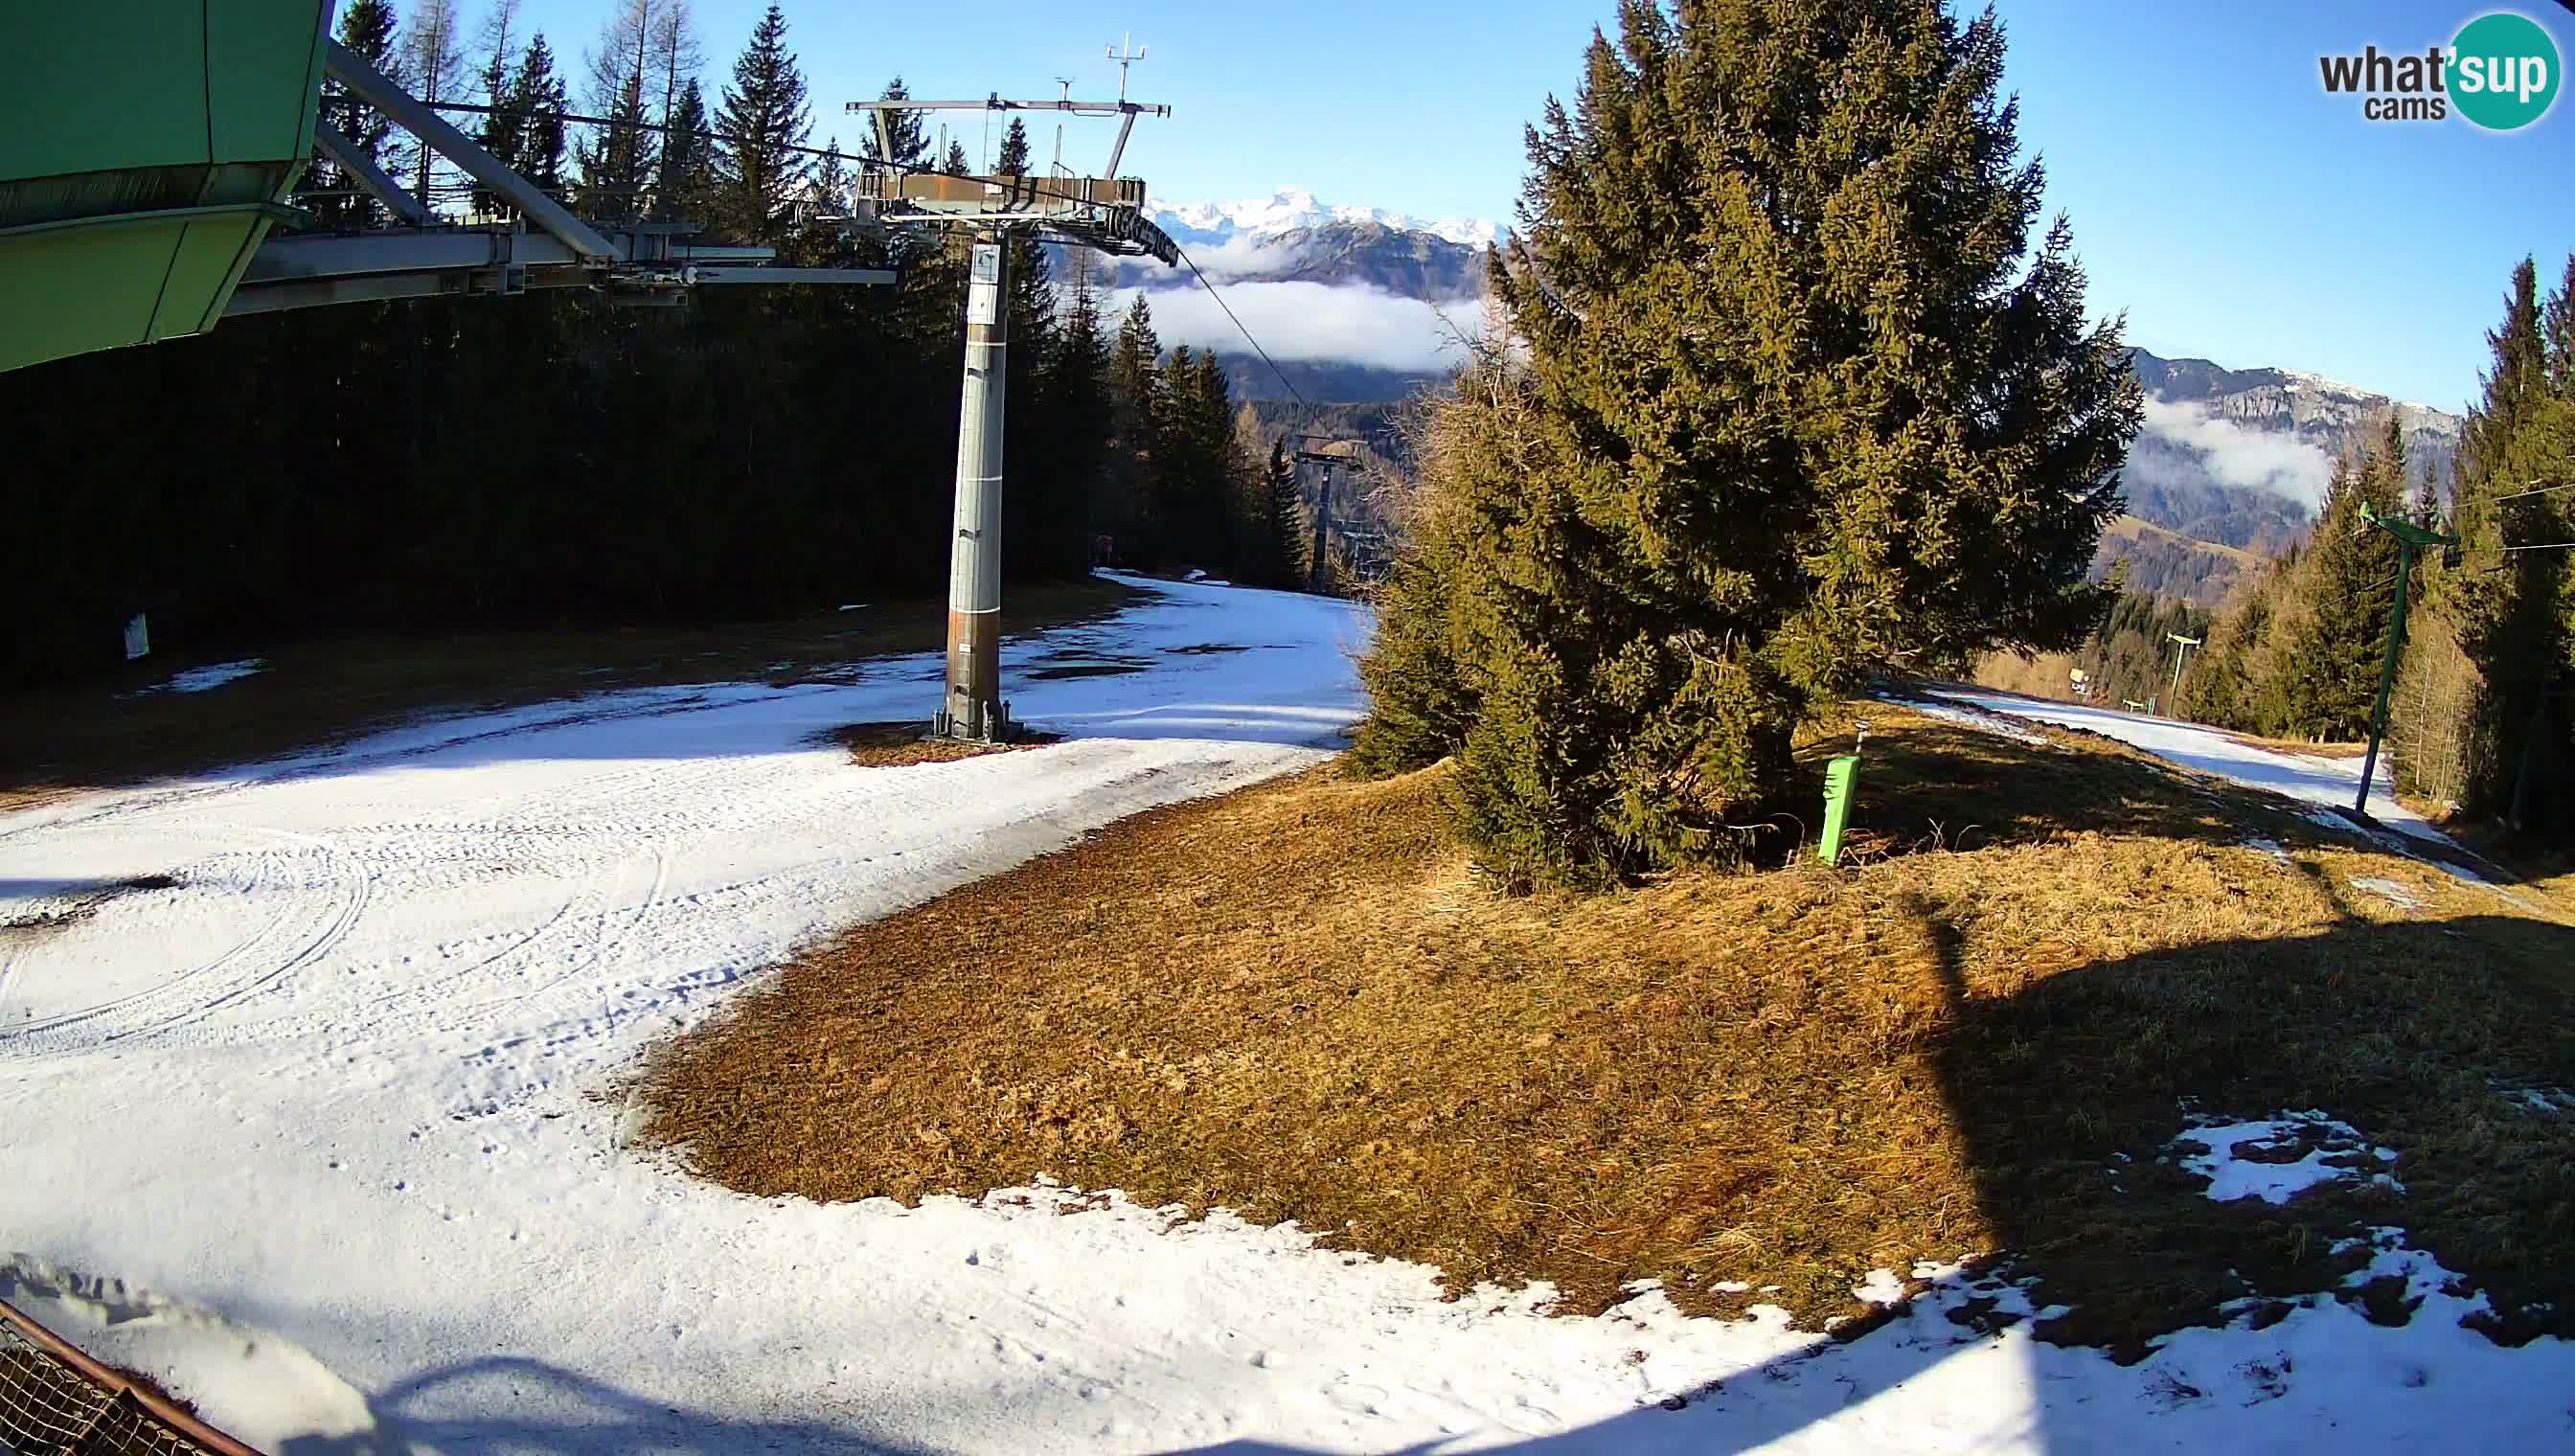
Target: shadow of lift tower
1105,214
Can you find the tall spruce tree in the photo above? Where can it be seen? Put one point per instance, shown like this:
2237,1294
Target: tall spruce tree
2341,600
1284,525
503,130
2511,609
764,118
541,103
680,189
1804,402
367,28
2225,686
1013,160
434,69
955,163
1076,388
617,162
906,129
1134,410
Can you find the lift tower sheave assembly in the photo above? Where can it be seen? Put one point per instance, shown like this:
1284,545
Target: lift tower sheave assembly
1334,454
1104,214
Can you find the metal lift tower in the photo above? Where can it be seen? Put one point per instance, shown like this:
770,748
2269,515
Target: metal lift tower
1105,214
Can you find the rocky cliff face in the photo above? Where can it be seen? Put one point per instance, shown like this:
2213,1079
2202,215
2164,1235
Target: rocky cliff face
2243,458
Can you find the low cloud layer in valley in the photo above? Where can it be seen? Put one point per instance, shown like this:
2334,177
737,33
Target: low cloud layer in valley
1315,322
2189,439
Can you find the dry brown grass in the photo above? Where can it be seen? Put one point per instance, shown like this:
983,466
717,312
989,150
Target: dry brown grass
903,745
64,739
1301,1001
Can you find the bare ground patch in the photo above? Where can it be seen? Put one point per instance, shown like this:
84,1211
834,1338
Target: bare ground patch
60,741
901,744
1302,1002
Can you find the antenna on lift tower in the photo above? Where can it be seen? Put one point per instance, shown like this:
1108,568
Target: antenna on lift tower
1125,53
1105,214
1064,93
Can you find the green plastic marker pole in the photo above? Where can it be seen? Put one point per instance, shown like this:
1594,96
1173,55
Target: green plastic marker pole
1840,776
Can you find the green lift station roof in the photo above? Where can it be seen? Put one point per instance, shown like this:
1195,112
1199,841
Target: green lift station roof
145,150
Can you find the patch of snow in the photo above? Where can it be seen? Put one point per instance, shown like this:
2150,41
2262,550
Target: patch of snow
201,679
344,1097
2324,783
1993,722
2324,385
2394,892
2329,1151
2551,1102
274,1391
2268,849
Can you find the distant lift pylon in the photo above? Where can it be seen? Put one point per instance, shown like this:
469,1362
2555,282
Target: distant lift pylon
1105,214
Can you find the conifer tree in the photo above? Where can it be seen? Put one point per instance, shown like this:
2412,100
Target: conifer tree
367,28
1013,160
1806,402
909,135
1134,410
672,57
434,70
764,118
1177,465
906,129
617,162
1284,525
832,182
2224,687
541,102
955,164
2513,613
1075,389
2427,499
680,188
2339,606
503,129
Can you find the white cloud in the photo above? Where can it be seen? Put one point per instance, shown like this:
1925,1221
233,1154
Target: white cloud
1244,255
1317,322
2233,454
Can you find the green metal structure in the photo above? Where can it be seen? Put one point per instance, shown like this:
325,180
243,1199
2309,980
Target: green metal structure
2410,539
145,152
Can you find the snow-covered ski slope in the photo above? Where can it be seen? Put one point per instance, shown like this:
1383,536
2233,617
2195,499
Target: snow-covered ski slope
2326,783
306,1126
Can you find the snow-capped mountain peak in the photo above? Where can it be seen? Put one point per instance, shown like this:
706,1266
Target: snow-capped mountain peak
1292,208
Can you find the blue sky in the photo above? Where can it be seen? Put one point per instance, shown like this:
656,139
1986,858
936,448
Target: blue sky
2218,196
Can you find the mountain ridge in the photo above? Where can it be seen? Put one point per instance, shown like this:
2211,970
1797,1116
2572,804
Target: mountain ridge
2233,458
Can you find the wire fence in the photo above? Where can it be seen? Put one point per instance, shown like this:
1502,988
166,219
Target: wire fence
56,1401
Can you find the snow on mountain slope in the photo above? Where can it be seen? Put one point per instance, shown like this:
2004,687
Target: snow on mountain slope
1292,209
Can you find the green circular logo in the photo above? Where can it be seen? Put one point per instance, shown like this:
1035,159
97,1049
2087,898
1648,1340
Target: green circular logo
2503,71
